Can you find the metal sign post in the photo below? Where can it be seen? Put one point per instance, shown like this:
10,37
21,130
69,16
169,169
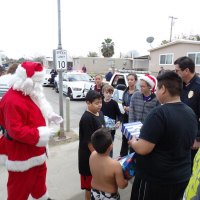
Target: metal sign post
61,64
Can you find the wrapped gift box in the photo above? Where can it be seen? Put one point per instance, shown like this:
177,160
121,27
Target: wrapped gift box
110,123
128,165
131,129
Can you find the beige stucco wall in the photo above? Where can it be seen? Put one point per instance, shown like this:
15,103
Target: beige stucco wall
178,50
100,65
141,64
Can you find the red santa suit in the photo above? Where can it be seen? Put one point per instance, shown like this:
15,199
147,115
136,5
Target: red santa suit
23,114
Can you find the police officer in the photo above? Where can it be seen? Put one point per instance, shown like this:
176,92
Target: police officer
185,68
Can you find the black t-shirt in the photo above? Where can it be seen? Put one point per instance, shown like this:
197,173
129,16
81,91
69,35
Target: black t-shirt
172,128
88,124
111,109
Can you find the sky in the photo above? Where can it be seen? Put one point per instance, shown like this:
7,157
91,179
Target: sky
29,28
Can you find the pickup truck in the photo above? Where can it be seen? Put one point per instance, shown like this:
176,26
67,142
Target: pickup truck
120,83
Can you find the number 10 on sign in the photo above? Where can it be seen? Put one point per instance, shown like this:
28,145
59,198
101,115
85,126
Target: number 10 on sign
61,59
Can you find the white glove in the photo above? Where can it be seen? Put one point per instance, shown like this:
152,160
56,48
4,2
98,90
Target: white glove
53,117
44,133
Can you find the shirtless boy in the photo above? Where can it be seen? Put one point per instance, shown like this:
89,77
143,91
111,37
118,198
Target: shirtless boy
107,175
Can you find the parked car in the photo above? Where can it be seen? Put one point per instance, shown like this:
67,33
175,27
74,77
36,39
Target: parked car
47,78
75,84
4,84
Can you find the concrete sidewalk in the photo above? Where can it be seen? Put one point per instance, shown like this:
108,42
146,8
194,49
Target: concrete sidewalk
62,177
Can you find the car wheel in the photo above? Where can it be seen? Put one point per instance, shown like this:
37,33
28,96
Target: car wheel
70,94
56,88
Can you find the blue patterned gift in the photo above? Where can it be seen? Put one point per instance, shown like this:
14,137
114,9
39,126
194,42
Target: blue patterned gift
128,165
110,123
131,129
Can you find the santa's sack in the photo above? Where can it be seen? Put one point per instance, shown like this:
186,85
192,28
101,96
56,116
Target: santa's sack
128,165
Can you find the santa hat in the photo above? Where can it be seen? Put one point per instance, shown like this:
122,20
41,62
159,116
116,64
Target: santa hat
29,72
151,80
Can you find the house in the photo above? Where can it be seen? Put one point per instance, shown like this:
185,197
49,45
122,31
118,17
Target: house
48,62
141,63
165,55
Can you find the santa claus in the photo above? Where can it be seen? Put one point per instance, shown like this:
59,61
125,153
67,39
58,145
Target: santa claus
24,115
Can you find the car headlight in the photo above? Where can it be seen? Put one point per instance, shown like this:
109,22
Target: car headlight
76,89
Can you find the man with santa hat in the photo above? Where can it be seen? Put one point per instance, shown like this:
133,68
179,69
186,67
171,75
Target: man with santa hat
24,115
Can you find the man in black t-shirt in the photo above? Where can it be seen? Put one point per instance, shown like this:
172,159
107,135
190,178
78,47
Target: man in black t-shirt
163,159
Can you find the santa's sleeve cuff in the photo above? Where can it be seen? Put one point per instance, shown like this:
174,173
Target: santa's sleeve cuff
44,135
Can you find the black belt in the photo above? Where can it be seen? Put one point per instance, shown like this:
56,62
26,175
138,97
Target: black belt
5,133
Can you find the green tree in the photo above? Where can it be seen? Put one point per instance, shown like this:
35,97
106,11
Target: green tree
21,59
107,48
164,42
189,37
92,54
194,37
38,59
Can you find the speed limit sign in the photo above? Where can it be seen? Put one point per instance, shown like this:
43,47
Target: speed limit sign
61,59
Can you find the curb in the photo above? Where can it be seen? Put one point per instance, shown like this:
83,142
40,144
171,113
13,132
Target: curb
68,137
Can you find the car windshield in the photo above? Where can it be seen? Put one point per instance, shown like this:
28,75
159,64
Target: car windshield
79,77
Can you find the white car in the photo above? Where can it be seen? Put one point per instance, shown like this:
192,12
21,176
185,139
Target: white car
75,84
4,84
47,77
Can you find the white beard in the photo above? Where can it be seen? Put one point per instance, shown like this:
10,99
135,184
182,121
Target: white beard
35,91
38,97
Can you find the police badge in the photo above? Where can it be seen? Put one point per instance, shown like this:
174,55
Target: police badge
190,94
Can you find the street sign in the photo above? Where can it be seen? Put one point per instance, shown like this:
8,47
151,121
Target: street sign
61,59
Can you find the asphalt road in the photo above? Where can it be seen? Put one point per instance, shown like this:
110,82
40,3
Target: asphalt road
77,107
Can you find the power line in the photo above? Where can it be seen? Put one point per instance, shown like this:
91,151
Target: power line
172,23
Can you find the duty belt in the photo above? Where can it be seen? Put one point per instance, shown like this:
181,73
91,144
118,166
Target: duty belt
5,133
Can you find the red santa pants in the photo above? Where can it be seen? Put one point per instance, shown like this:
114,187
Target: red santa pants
33,181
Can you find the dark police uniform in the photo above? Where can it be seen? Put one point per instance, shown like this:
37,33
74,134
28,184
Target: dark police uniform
191,97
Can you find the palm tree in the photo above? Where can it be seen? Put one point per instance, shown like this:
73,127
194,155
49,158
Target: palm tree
107,48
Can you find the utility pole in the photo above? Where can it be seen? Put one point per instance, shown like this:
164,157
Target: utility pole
60,71
172,23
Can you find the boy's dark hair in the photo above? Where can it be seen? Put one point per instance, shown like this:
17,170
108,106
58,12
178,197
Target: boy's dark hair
101,139
172,81
108,88
184,63
92,95
133,74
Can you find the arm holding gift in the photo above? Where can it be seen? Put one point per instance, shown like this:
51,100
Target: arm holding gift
128,165
142,147
121,182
